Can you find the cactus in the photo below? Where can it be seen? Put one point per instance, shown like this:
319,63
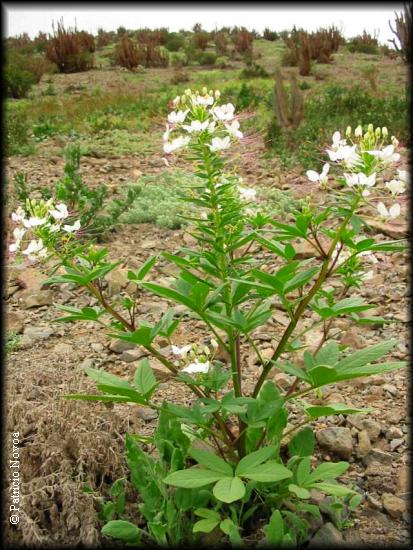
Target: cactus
289,114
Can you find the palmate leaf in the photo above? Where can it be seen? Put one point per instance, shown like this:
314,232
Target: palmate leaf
328,470
211,461
315,411
144,379
254,459
229,489
83,314
170,294
126,531
193,478
270,471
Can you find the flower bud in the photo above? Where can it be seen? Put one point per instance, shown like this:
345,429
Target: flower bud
348,131
394,141
217,94
188,91
370,129
384,132
204,90
378,132
366,135
214,343
358,132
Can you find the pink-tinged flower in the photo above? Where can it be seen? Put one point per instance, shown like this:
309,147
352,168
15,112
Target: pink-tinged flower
218,144
197,367
176,143
396,187
404,176
181,351
314,176
60,212
72,228
392,212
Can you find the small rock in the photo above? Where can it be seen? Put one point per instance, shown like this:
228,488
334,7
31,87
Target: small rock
393,505
97,347
119,346
374,502
14,322
391,389
394,433
36,298
63,349
372,428
38,333
353,339
87,364
116,280
338,440
334,398
146,414
283,380
364,445
376,468
396,443
377,455
327,534
131,355
403,482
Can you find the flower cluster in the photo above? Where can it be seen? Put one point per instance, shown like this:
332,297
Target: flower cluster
199,113
196,359
363,158
38,225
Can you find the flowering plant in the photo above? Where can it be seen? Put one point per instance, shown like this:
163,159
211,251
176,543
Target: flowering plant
237,455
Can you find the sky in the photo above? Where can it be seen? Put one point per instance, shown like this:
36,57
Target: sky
21,17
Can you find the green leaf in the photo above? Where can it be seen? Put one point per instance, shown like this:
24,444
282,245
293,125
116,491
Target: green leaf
229,489
274,531
108,379
205,525
300,492
332,489
207,513
270,471
211,461
123,530
365,356
328,354
315,411
103,398
300,279
249,462
144,379
145,268
322,375
328,470
302,444
192,478
170,294
303,470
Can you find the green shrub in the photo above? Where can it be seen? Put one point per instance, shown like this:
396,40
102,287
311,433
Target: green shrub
254,70
207,58
159,200
174,42
178,59
16,132
222,61
18,81
303,85
289,58
364,43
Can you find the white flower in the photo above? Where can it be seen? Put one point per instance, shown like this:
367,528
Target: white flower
393,212
386,155
166,133
197,367
54,227
211,127
176,143
404,176
60,212
177,117
181,351
360,179
358,132
72,228
19,215
384,132
224,112
204,100
247,193
314,176
196,126
234,130
176,100
345,153
34,221
35,249
18,235
396,187
220,143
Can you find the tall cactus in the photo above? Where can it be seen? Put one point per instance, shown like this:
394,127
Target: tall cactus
403,32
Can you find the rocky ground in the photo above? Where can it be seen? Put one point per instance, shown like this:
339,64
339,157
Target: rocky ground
67,444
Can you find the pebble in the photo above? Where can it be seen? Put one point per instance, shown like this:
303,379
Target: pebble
337,440
372,428
377,455
97,347
393,505
145,413
131,355
396,443
390,389
374,502
38,333
36,298
364,444
119,346
327,534
63,349
15,322
394,433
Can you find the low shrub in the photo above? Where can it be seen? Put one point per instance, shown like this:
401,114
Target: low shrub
364,43
272,36
180,76
254,70
18,81
207,58
221,43
16,132
70,50
174,42
222,61
178,59
200,40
